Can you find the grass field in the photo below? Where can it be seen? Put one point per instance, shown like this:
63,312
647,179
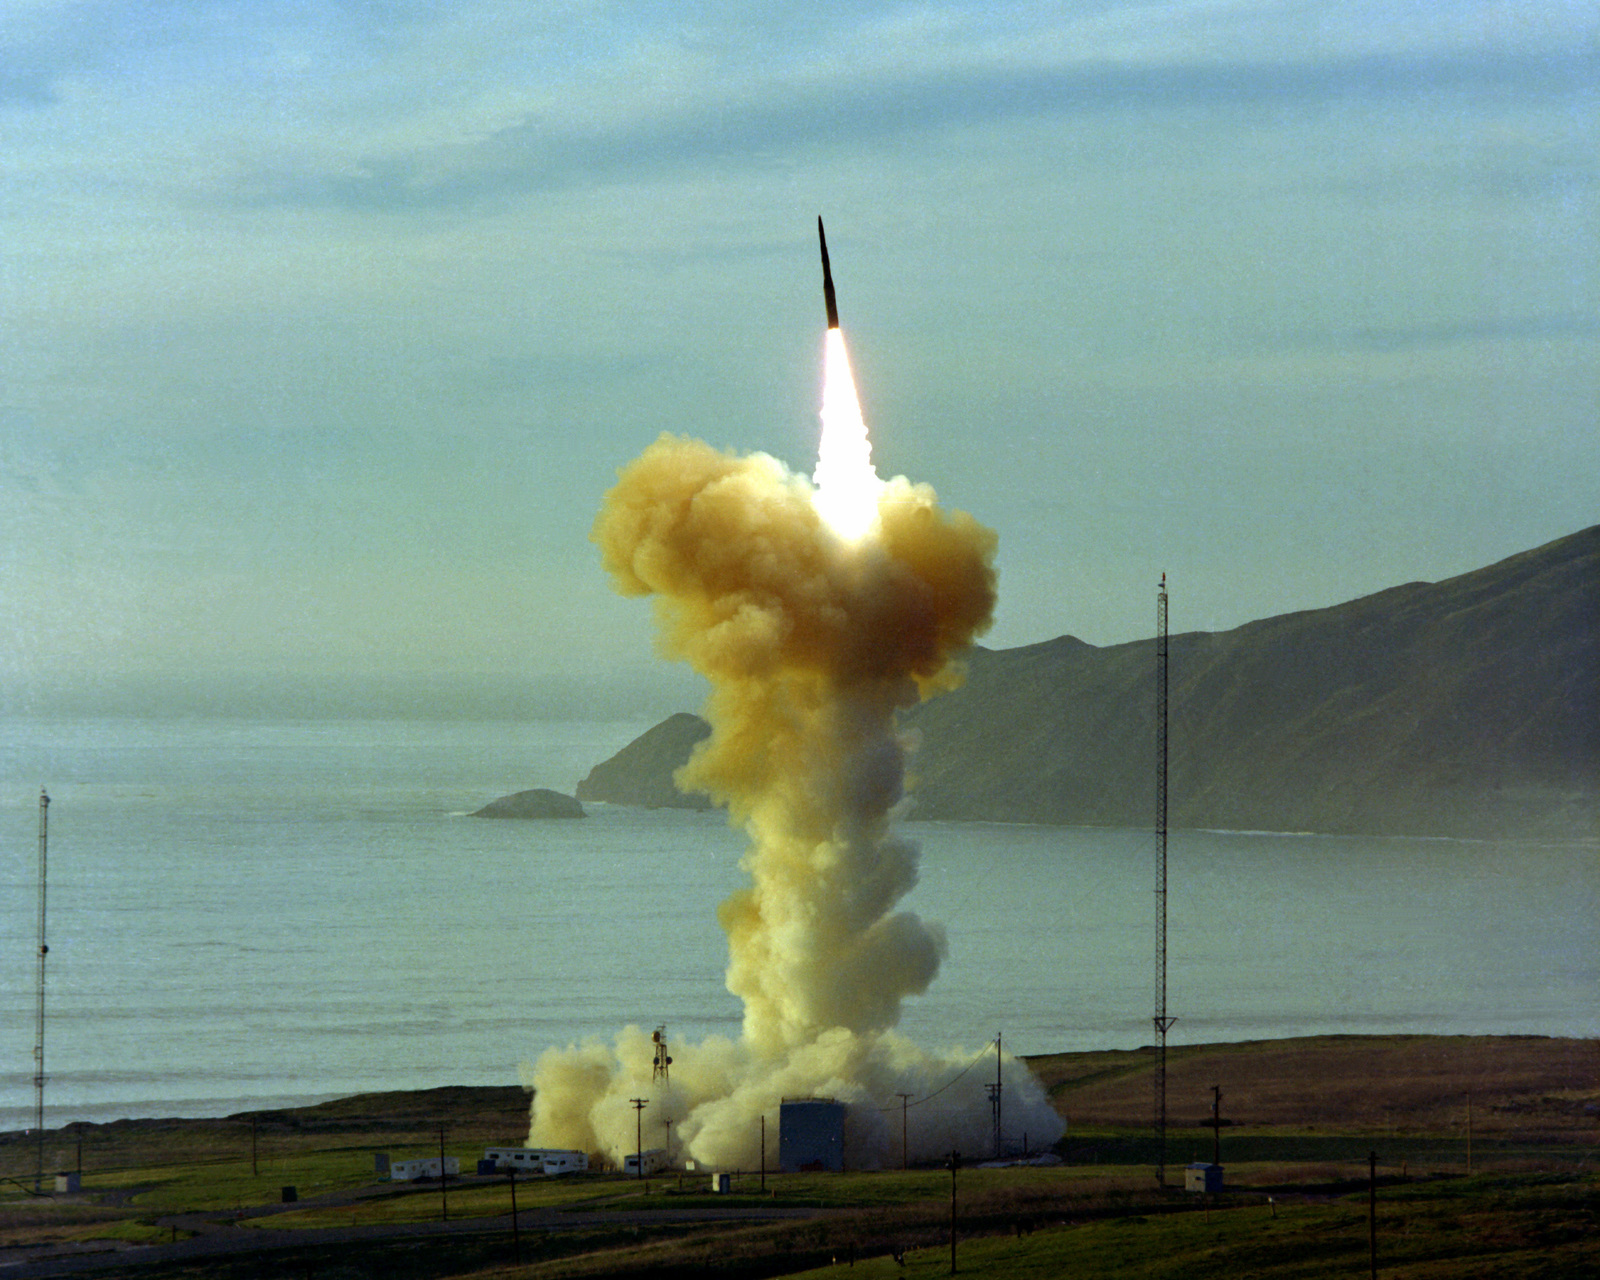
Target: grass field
1527,1086
1300,1119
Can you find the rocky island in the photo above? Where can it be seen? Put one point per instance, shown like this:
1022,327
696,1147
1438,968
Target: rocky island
537,803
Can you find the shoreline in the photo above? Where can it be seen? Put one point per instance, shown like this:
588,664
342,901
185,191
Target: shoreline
1107,1086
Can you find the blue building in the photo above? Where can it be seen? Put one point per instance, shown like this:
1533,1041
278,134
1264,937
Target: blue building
811,1135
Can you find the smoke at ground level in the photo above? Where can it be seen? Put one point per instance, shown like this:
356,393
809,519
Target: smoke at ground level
719,1091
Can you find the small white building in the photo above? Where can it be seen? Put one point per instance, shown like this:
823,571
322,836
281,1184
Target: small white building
1203,1177
549,1161
654,1159
411,1170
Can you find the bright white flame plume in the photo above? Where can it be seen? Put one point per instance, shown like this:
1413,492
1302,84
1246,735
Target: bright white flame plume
848,487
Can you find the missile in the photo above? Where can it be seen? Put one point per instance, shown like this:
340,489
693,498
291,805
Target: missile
827,280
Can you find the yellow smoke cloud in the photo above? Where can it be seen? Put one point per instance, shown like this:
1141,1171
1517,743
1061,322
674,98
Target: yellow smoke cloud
750,584
811,645
811,642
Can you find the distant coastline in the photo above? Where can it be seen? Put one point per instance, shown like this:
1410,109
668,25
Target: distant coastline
1465,709
1520,1079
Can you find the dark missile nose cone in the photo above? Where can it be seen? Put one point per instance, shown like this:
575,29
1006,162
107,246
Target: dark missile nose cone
828,298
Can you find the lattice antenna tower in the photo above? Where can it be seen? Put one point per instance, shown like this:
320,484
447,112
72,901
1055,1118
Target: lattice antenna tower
1161,1020
663,1060
44,950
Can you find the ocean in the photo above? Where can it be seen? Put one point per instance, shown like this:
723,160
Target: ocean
248,913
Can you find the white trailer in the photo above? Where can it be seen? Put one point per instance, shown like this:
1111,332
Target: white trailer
411,1170
654,1159
540,1160
522,1159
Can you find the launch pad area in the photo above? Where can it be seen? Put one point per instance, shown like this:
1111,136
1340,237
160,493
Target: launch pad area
164,1193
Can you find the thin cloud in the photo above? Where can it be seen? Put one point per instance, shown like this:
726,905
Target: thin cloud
25,87
536,156
1388,339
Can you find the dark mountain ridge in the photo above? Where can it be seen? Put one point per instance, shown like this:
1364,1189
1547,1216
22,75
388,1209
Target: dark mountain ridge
1467,707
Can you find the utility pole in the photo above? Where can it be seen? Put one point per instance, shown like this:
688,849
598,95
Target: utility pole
1372,1211
38,1044
905,1162
516,1238
444,1195
638,1132
955,1163
763,1153
999,1087
1216,1124
1160,1019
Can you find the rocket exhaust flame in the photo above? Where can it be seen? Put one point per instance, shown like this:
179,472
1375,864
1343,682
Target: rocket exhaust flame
848,487
816,614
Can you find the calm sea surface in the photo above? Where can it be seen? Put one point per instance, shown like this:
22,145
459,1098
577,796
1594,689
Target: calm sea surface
245,913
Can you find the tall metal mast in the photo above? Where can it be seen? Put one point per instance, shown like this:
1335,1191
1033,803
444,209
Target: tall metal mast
38,1044
1161,1020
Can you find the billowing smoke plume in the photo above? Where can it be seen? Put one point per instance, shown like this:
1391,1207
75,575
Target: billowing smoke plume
811,645
812,640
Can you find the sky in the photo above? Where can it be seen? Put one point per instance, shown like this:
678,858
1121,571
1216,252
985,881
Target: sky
324,326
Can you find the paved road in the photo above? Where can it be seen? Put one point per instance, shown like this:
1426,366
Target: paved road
218,1232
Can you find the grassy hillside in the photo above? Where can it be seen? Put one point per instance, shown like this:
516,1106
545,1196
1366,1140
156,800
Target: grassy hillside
1466,707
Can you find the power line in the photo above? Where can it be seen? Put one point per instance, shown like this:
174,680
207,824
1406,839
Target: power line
982,1054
